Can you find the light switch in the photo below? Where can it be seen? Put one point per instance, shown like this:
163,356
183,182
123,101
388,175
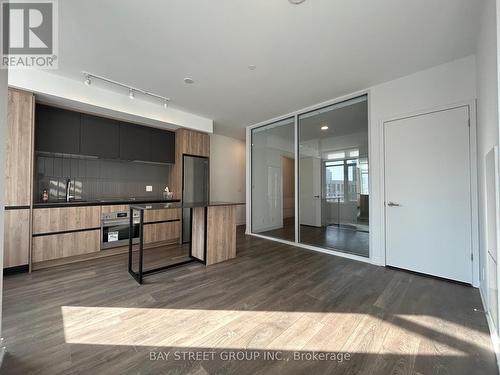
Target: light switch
149,188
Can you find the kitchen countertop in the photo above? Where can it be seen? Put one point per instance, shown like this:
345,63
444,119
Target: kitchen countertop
163,206
102,202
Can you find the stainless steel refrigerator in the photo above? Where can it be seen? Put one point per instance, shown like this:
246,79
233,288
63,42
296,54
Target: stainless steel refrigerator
195,188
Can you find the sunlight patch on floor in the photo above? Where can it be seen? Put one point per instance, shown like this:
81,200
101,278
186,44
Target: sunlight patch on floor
259,330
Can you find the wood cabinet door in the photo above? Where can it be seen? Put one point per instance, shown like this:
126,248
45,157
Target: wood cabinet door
162,232
60,219
16,238
55,246
18,168
195,143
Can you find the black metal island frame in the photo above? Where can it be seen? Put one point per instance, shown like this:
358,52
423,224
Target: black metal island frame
213,234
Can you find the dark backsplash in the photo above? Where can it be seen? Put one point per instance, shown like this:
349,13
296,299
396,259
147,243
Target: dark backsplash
94,179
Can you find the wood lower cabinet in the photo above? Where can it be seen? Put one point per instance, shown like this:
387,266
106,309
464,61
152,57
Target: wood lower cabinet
16,238
61,219
54,246
162,232
162,215
115,208
62,232
221,234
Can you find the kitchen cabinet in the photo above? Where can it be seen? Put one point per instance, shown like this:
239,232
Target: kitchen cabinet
187,142
162,146
18,178
62,245
57,130
68,132
162,232
100,137
19,152
135,142
16,238
63,219
114,208
162,215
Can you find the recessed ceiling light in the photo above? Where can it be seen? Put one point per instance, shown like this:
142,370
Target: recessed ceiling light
188,80
296,2
324,127
252,67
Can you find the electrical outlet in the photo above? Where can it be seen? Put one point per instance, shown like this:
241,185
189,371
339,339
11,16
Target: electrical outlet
149,188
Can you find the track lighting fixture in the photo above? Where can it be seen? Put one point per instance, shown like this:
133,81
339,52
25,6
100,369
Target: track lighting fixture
132,91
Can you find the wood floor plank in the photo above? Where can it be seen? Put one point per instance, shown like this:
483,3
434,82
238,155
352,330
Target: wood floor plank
93,318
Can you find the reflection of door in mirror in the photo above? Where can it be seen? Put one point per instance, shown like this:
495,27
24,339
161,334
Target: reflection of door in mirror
310,191
288,166
274,196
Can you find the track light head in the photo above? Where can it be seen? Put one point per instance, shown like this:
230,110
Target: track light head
165,103
88,81
131,94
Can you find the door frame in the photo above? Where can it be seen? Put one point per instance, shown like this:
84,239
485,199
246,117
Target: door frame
471,105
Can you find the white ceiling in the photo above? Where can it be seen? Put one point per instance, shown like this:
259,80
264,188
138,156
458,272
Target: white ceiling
305,54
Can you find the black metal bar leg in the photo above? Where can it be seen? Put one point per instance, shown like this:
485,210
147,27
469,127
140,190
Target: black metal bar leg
130,237
141,244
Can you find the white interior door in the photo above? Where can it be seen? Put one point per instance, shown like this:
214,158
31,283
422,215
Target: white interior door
310,192
427,194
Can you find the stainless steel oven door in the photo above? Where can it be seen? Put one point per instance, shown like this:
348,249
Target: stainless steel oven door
115,233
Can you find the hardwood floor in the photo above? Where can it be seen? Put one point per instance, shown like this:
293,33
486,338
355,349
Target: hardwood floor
273,299
346,240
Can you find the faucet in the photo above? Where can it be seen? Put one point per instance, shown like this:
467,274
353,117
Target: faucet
68,186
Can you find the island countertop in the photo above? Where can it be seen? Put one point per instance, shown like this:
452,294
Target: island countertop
164,206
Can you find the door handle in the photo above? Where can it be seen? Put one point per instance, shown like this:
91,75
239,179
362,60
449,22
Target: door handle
316,196
392,204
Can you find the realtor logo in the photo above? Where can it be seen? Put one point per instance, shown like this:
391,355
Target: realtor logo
29,34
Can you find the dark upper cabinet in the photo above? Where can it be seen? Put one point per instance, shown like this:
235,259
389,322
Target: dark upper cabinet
100,137
68,132
135,142
162,146
57,130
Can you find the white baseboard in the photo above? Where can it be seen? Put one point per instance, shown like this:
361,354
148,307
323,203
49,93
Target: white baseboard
493,334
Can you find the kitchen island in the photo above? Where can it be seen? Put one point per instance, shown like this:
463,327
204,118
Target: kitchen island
213,234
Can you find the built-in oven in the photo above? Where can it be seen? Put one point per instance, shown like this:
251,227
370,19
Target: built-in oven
115,229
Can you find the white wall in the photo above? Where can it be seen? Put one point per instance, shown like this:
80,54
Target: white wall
227,172
443,85
487,118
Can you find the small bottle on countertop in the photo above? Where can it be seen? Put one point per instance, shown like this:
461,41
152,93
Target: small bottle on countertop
45,195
